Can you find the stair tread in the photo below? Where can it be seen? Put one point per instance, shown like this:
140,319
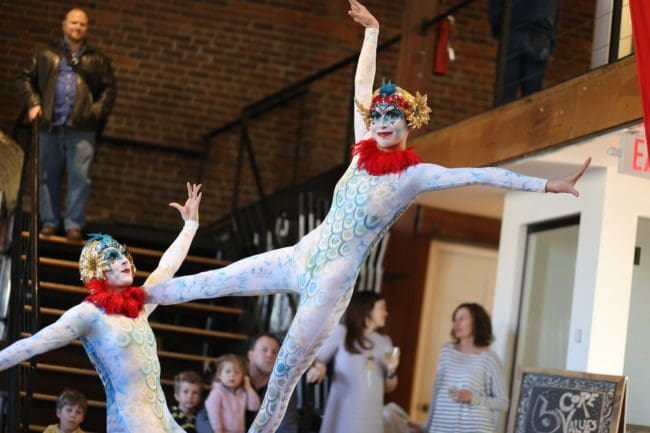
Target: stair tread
50,397
162,326
133,250
40,428
161,353
191,305
79,371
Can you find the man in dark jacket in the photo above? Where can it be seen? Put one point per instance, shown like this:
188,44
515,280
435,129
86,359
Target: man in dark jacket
71,88
530,43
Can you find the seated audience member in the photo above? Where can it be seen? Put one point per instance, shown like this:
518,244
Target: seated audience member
187,392
71,409
262,353
230,397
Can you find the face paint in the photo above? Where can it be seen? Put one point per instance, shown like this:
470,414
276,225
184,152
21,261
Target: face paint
119,273
388,125
103,255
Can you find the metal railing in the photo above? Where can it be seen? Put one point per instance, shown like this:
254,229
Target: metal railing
24,286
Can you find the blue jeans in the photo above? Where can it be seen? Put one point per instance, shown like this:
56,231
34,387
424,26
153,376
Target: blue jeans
526,62
74,149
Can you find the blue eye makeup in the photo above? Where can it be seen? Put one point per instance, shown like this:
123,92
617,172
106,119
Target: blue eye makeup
394,114
112,255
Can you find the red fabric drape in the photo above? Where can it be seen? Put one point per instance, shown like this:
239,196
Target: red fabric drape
441,57
640,10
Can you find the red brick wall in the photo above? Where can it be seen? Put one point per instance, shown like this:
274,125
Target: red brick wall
184,68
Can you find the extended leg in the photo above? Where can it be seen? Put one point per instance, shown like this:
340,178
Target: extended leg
317,316
263,274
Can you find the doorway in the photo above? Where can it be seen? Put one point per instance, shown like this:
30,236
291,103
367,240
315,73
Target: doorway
547,294
456,273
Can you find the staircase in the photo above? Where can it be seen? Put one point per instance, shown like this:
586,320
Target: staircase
188,335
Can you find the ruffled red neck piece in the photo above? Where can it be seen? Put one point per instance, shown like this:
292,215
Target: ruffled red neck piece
127,302
377,162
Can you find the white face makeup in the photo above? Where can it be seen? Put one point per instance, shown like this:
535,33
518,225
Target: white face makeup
120,273
388,126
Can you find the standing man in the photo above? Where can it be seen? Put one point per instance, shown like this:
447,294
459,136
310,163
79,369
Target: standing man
70,86
262,354
531,39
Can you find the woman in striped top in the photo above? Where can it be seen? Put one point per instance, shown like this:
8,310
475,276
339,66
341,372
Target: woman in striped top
469,391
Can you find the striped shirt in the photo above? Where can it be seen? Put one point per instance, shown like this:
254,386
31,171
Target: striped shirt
482,374
187,421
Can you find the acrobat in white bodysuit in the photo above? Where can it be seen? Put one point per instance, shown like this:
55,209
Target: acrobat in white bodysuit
112,324
382,180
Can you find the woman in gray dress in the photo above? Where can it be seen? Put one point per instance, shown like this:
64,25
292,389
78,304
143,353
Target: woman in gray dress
364,368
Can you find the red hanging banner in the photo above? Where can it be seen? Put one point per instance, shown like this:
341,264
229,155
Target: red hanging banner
640,11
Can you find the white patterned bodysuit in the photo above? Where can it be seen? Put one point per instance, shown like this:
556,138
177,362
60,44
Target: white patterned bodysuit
123,351
323,266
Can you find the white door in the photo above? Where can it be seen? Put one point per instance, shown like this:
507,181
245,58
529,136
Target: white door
456,273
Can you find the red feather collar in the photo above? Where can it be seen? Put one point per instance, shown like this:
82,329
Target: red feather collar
378,162
127,302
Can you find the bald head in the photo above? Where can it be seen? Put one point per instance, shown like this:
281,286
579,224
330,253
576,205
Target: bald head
75,25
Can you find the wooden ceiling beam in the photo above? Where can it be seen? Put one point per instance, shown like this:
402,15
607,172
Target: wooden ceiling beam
600,100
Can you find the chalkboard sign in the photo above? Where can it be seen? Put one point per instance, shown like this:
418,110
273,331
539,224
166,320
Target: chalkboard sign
559,401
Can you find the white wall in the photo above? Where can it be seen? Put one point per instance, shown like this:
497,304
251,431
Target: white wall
637,351
609,205
547,294
602,32
521,209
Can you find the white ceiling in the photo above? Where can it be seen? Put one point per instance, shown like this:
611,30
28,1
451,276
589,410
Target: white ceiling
488,201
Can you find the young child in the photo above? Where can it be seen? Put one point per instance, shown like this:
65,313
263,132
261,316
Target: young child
187,392
71,409
230,396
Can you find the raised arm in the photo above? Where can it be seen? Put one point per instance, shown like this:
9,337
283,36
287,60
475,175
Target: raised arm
365,74
71,325
173,257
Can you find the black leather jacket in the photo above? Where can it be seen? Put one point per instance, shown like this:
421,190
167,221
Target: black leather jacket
96,89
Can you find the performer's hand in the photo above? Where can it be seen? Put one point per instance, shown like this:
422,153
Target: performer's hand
316,372
190,210
34,112
567,184
360,14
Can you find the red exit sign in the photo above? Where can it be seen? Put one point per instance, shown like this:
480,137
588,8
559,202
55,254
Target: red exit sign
634,156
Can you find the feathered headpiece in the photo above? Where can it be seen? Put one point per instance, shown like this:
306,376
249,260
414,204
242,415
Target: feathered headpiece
415,108
93,263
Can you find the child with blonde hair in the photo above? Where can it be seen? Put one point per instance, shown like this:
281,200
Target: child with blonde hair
71,409
187,392
231,395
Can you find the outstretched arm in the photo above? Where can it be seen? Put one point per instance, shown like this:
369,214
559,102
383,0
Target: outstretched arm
173,257
365,73
72,324
431,177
